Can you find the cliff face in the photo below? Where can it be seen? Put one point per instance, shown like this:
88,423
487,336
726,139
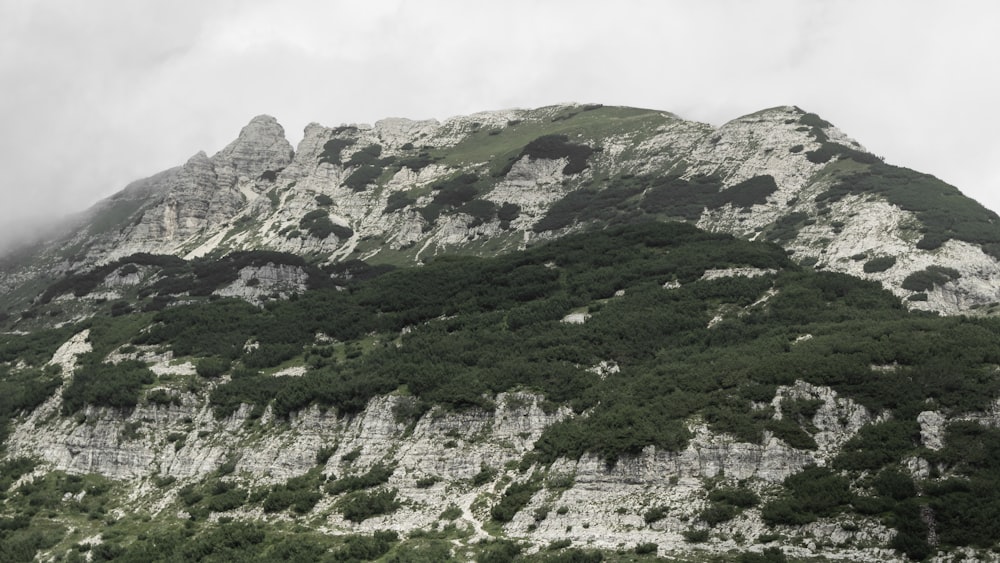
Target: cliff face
386,187
466,459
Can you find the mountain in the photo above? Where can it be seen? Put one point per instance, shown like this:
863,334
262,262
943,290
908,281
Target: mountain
576,333
403,191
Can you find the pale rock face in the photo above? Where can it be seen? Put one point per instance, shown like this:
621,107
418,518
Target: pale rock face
837,419
604,505
931,429
258,282
737,272
202,195
533,184
65,356
261,146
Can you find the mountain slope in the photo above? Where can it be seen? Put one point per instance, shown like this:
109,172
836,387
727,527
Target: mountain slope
670,386
402,191
576,333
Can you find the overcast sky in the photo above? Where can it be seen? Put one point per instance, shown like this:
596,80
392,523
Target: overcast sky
96,93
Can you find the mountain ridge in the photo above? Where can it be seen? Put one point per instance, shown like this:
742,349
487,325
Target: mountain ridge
386,195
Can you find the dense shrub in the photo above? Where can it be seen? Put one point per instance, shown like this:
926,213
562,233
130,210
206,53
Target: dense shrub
332,149
749,192
514,499
299,493
106,385
212,367
377,475
362,177
655,514
812,493
361,505
508,212
768,555
366,548
397,201
787,227
416,163
813,120
928,278
739,497
879,264
646,548
456,191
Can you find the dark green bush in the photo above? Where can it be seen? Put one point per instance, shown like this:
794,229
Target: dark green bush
332,148
646,548
734,496
695,536
362,177
508,212
813,120
485,475
813,493
361,505
717,513
768,555
426,482
366,548
366,156
377,475
880,264
655,514
928,278
106,385
499,551
514,499
749,192
397,201
212,367
877,445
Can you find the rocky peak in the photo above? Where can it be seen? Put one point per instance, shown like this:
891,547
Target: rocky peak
261,146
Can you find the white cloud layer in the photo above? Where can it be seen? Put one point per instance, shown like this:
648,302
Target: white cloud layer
96,94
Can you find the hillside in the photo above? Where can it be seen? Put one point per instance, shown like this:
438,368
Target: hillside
577,333
669,387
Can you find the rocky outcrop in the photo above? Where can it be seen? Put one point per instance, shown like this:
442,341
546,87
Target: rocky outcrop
439,459
584,500
257,283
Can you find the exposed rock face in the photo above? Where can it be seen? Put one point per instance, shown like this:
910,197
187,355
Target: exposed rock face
585,500
255,283
600,506
254,194
260,147
200,197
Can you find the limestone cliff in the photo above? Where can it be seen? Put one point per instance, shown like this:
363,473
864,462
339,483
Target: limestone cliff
440,458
